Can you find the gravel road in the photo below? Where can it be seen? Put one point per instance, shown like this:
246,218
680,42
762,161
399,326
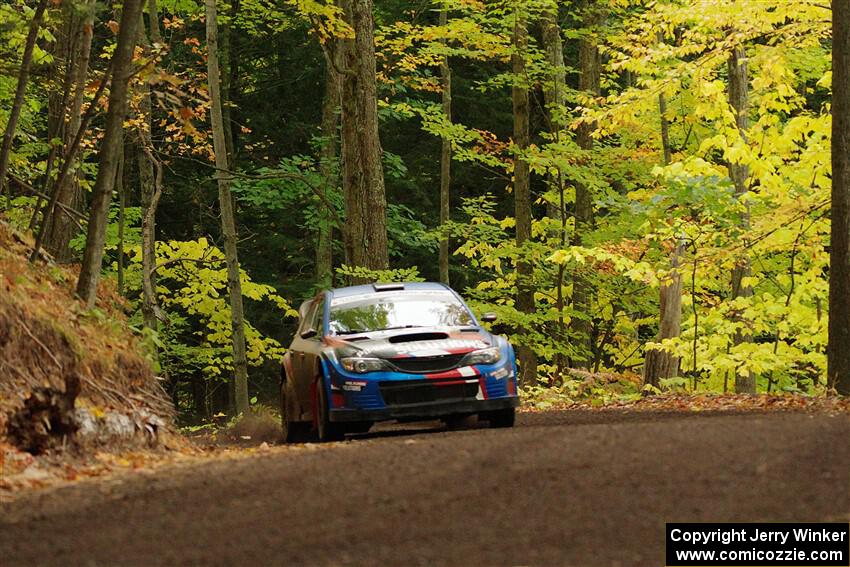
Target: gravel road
561,488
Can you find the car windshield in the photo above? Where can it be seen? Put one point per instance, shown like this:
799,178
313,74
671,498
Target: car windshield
396,310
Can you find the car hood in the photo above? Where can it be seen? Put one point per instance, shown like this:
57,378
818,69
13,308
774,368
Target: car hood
419,342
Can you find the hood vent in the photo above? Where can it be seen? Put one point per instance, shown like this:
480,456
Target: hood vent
413,337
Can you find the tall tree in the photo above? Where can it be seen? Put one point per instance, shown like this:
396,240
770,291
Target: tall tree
110,150
229,60
60,227
363,171
20,92
445,154
838,353
659,363
228,222
589,83
57,99
554,96
745,381
329,170
522,189
150,176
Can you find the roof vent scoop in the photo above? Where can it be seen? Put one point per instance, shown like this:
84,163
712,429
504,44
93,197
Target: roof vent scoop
387,286
415,337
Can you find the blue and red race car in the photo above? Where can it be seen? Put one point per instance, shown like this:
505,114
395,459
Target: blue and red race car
411,351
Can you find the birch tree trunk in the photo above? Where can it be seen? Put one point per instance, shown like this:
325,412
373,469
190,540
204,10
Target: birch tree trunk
110,151
838,353
522,192
20,92
363,172
745,382
228,222
445,155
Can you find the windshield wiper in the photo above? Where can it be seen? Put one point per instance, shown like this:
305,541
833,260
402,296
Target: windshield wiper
352,332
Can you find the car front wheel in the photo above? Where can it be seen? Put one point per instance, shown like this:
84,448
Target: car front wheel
328,430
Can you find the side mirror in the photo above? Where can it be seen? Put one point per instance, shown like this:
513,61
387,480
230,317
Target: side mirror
489,317
309,333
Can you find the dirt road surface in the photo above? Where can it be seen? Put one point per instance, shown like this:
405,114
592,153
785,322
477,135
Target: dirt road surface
561,488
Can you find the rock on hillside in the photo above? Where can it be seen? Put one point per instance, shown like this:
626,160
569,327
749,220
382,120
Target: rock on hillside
68,375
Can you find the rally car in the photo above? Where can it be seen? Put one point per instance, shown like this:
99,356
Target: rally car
401,351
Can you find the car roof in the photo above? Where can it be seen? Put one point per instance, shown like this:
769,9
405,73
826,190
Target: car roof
369,288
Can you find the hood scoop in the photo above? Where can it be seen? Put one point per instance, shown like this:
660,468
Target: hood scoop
414,337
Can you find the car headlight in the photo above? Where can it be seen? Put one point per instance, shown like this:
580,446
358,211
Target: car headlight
363,365
484,356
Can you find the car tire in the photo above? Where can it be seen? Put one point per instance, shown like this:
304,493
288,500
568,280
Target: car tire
292,431
328,430
502,418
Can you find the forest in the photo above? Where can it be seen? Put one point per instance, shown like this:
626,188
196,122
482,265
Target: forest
652,195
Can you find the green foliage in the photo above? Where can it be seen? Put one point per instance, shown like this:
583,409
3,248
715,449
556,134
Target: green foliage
643,208
20,211
192,283
597,389
397,275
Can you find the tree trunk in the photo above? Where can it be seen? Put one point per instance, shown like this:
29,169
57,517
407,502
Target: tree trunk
150,189
589,64
110,151
660,364
838,353
20,92
555,89
57,103
363,172
329,170
61,228
122,220
522,194
445,156
553,96
230,83
745,382
228,223
70,154
665,129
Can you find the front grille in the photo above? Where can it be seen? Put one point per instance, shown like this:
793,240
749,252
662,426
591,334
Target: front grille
419,364
400,393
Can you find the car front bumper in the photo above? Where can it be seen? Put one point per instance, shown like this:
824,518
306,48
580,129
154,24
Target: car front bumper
426,410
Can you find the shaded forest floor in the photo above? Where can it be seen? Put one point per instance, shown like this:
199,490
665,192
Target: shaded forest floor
677,402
